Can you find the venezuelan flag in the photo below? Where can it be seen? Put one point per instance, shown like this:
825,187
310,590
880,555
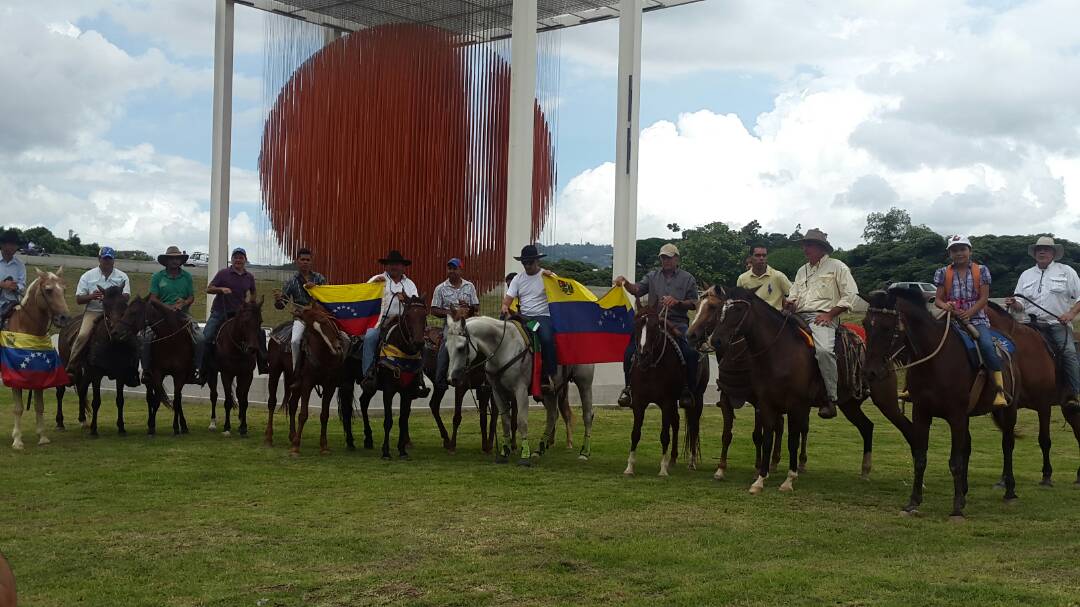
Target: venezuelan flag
29,362
588,330
355,307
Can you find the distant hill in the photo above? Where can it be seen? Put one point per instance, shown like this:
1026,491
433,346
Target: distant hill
598,255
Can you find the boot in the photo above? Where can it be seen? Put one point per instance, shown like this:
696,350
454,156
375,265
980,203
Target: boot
624,397
369,384
827,411
999,398
686,399
1071,406
422,390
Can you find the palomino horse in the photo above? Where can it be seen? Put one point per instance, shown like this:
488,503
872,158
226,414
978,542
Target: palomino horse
40,307
1039,386
658,375
237,346
7,584
322,361
786,381
112,351
172,354
899,327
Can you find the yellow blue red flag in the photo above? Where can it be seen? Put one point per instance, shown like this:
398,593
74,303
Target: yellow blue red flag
30,362
588,329
356,308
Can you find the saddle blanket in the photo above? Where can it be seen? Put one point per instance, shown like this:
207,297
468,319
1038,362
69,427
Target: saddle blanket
1002,342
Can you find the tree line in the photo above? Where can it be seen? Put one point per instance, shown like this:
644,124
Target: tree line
72,245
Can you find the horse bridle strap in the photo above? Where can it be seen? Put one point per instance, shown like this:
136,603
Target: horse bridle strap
900,328
749,306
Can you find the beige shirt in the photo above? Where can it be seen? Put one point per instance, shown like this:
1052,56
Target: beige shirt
772,286
823,287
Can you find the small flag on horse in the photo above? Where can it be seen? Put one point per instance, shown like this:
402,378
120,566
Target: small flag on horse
356,308
30,362
588,330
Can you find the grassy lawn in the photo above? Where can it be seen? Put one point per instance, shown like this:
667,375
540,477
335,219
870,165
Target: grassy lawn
207,520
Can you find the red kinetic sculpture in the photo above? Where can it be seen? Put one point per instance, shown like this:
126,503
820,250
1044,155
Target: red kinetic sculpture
396,137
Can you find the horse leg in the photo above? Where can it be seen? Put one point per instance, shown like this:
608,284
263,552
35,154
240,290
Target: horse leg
635,437
39,411
920,438
778,441
1074,421
434,407
83,387
958,428
485,438
271,405
459,400
365,401
178,406
725,438
324,417
1007,422
758,436
95,404
403,427
303,397
345,411
120,409
802,447
60,390
587,415
551,419
16,431
795,423
487,403
243,387
151,411
227,388
768,434
854,414
567,415
675,415
1044,445
502,410
388,421
212,384
665,436
522,402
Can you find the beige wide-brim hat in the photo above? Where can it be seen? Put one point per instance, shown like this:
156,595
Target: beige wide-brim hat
816,235
173,251
1046,241
669,250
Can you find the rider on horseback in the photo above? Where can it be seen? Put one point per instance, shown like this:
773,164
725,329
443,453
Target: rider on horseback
295,290
174,288
1051,293
823,290
396,287
13,272
676,290
90,292
963,288
528,289
454,292
231,285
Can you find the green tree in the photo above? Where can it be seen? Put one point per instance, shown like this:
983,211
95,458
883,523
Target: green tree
713,253
583,272
890,226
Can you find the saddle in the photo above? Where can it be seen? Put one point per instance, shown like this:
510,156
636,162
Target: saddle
1004,346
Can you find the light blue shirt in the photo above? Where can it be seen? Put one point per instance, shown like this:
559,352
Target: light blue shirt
16,270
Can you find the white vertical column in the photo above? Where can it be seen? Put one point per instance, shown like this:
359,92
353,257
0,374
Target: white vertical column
222,139
626,139
523,49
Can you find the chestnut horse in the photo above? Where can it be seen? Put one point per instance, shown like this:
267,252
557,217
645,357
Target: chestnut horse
172,354
1039,385
234,357
940,380
280,366
658,375
322,361
42,305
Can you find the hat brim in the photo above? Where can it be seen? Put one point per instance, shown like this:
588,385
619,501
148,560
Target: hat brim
532,257
1059,251
387,261
161,258
828,247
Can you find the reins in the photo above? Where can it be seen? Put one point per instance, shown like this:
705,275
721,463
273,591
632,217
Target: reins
899,328
730,302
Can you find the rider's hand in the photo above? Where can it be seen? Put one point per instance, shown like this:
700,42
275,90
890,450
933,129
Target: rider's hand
669,301
278,295
9,285
99,294
225,290
1010,302
620,281
1067,318
823,319
379,278
505,310
547,272
310,285
789,305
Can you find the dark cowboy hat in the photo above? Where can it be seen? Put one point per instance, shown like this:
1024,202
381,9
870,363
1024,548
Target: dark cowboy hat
172,251
821,238
10,236
529,253
395,256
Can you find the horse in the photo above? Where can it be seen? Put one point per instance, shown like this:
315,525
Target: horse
112,350
1039,387
237,346
734,381
657,375
279,366
433,338
322,359
7,584
172,354
898,325
42,305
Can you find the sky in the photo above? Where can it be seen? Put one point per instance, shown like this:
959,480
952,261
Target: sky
811,113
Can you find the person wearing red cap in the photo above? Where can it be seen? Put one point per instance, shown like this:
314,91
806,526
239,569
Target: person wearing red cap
454,292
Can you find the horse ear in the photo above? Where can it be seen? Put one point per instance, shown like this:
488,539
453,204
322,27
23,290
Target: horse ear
39,272
60,271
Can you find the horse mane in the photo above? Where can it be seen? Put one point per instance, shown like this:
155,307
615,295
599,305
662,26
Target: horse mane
915,298
750,296
31,289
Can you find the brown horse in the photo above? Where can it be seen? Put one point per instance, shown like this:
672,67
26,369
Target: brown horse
42,306
322,361
940,380
280,366
658,375
112,351
172,354
7,584
237,346
1039,385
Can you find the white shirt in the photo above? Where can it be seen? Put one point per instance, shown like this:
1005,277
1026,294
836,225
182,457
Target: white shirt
530,293
92,279
391,305
1057,288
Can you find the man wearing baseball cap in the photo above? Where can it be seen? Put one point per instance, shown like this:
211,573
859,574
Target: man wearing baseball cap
231,286
454,292
89,293
13,272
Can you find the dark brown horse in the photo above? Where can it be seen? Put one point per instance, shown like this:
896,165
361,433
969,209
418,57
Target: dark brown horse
280,366
112,351
7,584
658,375
940,380
172,354
1039,385
405,335
237,345
322,361
433,340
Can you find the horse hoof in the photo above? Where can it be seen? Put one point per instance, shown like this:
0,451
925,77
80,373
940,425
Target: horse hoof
60,428
350,447
583,458
755,490
864,476
663,473
121,432
802,468
94,434
451,451
369,444
405,457
324,452
525,462
226,434
184,430
1046,482
786,487
43,441
268,443
999,485
1011,501
18,446
957,518
294,453
912,512
628,472
212,427
719,474
386,457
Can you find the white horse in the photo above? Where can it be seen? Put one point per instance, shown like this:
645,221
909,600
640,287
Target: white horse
501,349
43,302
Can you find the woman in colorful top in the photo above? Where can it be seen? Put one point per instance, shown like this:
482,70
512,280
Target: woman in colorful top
963,288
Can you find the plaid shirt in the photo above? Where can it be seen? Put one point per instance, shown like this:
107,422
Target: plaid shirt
962,293
294,288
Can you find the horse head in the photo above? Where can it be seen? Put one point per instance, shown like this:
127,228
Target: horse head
324,330
735,320
459,349
46,293
249,325
884,334
413,320
707,314
649,329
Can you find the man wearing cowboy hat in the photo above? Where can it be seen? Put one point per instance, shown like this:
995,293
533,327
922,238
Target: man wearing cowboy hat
528,288
12,271
295,290
1052,292
90,292
396,287
173,288
823,290
675,289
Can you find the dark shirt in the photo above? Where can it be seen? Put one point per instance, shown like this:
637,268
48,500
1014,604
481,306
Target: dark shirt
240,284
680,285
294,289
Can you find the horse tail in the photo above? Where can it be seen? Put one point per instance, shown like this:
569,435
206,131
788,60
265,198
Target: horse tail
692,436
344,403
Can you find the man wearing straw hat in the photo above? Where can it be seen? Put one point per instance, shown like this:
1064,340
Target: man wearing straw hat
1051,293
173,288
823,290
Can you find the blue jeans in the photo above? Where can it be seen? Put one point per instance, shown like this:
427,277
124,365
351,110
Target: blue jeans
986,346
1063,337
371,346
690,355
546,332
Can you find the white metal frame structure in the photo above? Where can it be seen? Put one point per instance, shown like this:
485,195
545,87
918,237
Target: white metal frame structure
520,20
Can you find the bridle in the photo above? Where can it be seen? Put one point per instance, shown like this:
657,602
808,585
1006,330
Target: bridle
470,346
900,333
662,323
403,327
731,303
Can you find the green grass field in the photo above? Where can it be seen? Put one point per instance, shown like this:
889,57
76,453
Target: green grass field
208,520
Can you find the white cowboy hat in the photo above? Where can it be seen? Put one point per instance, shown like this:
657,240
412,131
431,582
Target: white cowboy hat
1046,241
